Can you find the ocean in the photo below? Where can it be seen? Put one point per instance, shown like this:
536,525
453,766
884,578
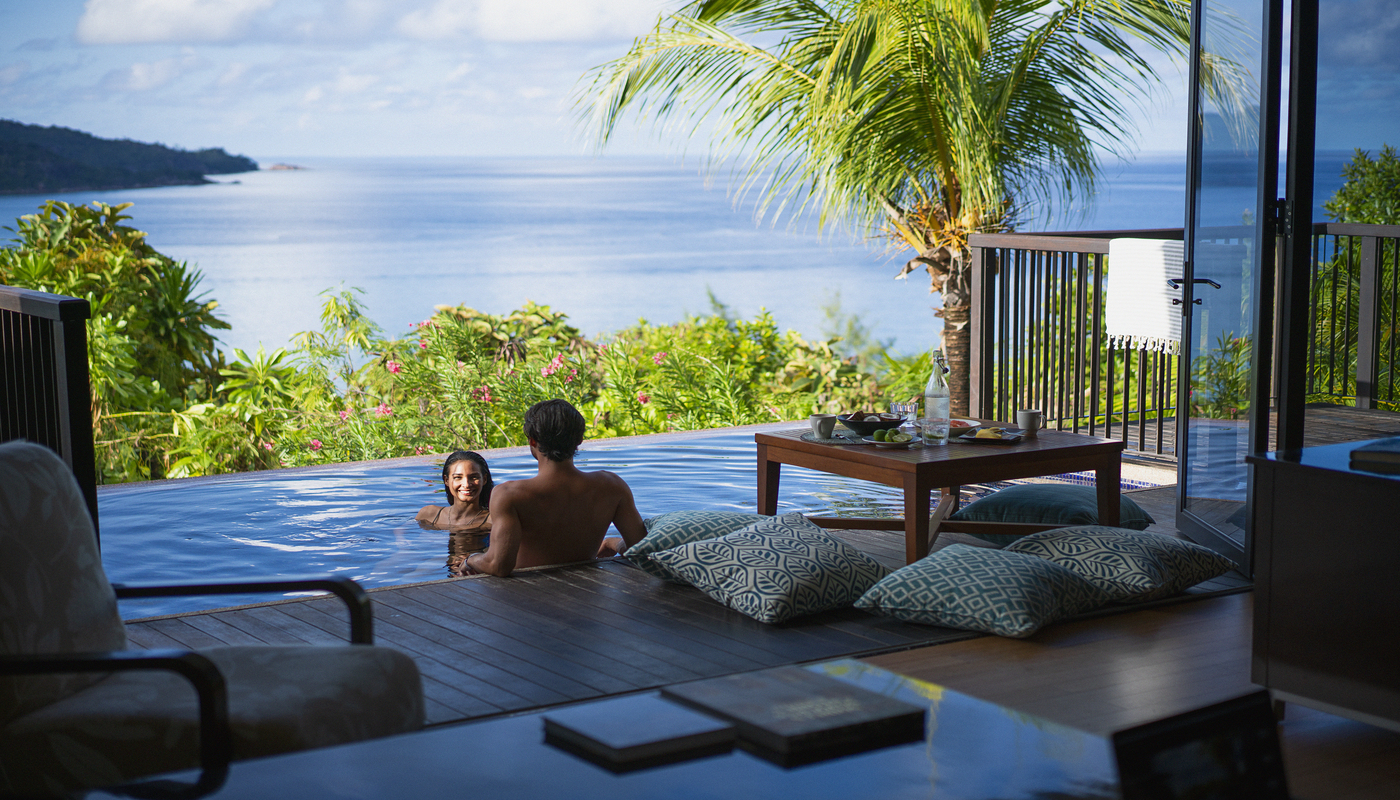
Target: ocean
607,241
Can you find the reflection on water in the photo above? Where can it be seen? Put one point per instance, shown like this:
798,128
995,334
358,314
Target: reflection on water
357,520
461,544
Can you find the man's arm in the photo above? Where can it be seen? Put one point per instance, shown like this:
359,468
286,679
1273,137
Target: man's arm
627,520
499,558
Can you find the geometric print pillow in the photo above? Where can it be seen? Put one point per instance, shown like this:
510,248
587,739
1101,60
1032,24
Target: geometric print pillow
978,589
776,569
1047,504
1132,566
665,531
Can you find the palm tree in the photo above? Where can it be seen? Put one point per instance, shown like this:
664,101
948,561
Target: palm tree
917,120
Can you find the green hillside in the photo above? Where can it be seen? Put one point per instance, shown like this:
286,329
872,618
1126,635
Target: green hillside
35,160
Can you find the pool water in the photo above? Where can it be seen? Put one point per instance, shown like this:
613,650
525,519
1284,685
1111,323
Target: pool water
358,519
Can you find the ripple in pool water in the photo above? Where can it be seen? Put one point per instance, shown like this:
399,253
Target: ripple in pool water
358,519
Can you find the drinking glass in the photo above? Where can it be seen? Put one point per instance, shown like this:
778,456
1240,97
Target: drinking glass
935,431
910,412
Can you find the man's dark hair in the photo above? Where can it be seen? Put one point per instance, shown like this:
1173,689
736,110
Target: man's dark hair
556,427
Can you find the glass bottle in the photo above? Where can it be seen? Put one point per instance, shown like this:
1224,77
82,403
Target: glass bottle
936,395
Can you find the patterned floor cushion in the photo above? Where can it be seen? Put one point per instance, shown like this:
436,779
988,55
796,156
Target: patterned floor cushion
1047,504
776,569
668,530
1132,566
979,589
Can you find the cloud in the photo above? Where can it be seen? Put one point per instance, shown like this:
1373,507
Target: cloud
11,73
39,45
147,75
149,21
1358,33
532,21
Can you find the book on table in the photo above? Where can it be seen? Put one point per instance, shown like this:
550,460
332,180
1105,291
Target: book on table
793,715
1382,455
636,731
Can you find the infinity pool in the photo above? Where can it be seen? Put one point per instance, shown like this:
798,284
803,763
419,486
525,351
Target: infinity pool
358,519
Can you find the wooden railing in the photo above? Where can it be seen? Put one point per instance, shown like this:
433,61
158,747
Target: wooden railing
1352,343
1038,340
44,391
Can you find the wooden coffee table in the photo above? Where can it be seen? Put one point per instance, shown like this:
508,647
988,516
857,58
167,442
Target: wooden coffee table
920,470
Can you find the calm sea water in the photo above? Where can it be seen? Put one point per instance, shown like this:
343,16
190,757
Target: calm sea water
607,241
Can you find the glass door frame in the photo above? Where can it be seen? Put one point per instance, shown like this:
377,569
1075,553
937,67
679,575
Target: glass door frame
1266,229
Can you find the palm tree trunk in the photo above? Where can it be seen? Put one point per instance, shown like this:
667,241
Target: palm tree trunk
957,346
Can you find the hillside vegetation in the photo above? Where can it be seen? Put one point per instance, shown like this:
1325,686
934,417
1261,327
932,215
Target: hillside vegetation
35,159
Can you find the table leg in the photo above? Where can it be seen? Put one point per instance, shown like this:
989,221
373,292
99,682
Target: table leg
1108,480
916,517
768,472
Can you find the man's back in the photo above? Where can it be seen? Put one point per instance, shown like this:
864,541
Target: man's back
562,514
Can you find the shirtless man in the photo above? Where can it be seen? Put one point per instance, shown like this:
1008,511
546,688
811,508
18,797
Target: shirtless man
562,514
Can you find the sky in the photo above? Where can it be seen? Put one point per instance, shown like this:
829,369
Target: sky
270,78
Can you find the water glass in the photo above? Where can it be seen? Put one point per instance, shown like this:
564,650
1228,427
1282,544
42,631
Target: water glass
935,431
910,412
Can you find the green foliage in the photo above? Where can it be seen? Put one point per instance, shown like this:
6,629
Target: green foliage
151,336
1220,379
1371,193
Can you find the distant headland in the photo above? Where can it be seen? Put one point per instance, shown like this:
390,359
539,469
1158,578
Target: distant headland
35,159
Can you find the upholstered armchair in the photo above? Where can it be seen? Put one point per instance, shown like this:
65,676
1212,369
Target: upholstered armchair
78,709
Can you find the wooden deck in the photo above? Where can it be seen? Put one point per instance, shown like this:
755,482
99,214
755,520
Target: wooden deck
1114,672
488,646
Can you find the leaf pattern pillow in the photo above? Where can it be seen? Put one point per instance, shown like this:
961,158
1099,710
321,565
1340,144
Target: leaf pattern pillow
776,569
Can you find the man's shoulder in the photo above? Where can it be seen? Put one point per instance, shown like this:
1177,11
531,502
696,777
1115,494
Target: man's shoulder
609,479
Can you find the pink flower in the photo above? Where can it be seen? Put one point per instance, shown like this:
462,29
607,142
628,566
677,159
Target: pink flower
643,398
659,357
267,446
394,367
422,344
383,410
418,451
569,379
554,366
315,444
430,448
483,394
602,347
345,414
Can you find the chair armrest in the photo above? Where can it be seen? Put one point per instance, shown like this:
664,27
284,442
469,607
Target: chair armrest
215,738
355,597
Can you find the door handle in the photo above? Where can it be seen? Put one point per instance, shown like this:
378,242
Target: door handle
1176,283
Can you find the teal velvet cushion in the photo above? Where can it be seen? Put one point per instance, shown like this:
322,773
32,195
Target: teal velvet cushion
665,531
1047,504
1132,566
979,589
776,569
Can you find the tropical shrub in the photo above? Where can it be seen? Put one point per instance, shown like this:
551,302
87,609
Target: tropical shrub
151,341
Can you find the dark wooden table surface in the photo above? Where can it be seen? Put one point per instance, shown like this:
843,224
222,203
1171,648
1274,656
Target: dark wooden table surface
972,750
919,470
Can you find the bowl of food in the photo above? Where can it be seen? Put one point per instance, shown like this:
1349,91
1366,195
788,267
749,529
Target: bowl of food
866,423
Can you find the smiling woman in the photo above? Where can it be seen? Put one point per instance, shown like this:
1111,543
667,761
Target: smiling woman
466,479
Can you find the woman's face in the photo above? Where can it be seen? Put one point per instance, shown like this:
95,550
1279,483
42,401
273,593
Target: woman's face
464,482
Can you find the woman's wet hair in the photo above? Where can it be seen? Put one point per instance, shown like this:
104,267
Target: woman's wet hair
467,455
556,428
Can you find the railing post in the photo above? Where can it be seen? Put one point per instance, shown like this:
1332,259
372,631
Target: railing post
983,300
1367,328
74,394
